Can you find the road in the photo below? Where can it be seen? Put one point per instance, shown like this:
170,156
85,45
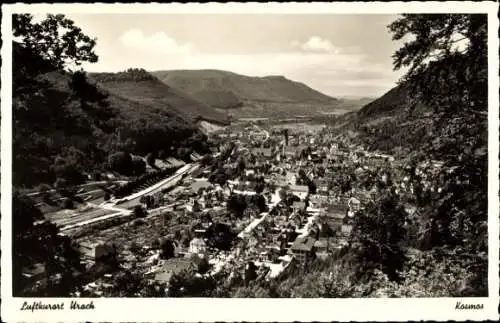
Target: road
131,200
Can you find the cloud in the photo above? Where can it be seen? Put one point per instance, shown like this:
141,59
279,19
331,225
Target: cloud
316,44
336,75
157,42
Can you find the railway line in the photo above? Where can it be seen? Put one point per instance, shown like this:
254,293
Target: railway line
119,208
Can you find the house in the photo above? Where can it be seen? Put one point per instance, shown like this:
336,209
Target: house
346,230
335,221
193,205
291,178
354,205
175,162
171,267
324,246
200,183
318,200
197,245
300,190
98,251
336,207
160,164
303,248
298,206
195,156
264,152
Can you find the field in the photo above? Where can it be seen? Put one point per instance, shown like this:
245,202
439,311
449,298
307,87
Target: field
68,217
299,127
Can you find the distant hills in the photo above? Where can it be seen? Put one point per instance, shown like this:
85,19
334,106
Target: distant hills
222,89
74,123
249,97
142,87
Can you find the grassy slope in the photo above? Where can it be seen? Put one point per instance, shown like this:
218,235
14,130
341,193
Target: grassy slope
159,96
125,108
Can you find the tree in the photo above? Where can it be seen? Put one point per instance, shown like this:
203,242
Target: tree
251,211
206,160
259,202
236,205
283,193
151,158
259,187
220,236
202,265
35,241
441,43
167,249
187,284
121,162
241,165
379,234
311,185
148,201
138,166
140,212
86,93
70,165
250,272
447,60
68,203
56,39
133,284
184,153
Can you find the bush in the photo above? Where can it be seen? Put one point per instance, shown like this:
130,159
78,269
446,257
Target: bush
68,204
140,212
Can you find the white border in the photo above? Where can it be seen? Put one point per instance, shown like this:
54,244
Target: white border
194,309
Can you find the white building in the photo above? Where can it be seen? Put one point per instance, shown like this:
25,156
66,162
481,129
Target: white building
300,190
197,245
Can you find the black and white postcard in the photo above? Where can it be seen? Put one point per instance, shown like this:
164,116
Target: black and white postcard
250,162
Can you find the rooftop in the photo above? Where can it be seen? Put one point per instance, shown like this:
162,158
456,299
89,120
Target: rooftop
172,266
303,244
299,188
299,205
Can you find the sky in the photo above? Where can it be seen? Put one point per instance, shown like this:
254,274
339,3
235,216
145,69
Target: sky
339,55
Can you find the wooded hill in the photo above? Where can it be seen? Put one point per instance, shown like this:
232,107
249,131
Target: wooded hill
222,89
140,86
241,96
66,125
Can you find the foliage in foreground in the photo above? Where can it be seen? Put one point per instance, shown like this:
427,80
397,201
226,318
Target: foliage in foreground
65,125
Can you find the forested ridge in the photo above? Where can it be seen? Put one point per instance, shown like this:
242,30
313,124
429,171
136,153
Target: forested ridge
66,125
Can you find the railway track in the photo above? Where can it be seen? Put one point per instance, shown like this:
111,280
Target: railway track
121,209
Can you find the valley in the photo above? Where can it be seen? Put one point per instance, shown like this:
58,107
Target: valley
208,183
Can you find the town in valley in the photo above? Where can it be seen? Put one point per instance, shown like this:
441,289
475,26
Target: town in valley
150,182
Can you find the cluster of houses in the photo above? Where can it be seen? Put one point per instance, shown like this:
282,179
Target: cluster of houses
298,226
305,218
